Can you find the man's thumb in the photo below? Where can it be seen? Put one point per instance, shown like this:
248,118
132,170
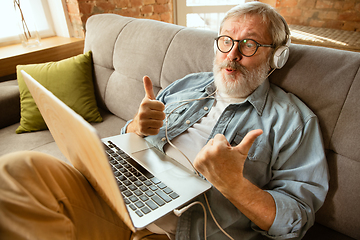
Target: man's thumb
149,92
244,146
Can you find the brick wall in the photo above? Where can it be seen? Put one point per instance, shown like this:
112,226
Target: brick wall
80,10
335,14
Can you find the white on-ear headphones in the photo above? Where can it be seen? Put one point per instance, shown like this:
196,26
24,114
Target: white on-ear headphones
281,53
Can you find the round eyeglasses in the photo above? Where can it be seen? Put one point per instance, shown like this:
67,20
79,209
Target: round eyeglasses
247,47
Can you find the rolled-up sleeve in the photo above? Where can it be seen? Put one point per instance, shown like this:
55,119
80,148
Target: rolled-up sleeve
299,182
123,129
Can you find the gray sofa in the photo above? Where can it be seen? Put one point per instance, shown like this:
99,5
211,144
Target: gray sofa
126,49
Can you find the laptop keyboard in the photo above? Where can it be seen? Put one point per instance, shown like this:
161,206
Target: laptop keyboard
142,191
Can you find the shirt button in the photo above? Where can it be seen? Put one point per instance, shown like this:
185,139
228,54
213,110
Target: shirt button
163,139
187,122
206,108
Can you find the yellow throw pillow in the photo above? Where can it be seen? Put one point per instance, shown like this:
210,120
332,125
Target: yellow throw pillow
69,79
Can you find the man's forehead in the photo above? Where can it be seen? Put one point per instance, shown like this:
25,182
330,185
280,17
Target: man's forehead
252,25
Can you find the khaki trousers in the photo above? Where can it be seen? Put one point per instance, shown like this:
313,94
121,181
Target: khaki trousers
42,197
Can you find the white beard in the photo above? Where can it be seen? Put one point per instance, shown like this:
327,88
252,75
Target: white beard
243,85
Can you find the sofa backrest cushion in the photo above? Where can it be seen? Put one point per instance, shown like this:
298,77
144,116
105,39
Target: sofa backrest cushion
327,80
126,49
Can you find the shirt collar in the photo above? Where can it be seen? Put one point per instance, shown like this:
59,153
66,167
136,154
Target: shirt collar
210,88
257,98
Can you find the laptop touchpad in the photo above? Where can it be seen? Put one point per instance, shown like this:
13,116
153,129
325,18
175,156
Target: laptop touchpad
154,160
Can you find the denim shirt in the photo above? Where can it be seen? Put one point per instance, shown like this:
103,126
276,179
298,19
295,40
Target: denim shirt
287,160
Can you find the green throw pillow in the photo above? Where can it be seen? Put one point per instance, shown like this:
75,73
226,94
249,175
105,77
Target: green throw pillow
70,80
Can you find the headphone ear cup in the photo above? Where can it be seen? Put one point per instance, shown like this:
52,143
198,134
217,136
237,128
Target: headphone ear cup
280,57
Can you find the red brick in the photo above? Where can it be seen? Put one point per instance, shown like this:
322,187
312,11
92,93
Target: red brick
287,3
147,2
310,13
348,5
270,2
291,12
349,16
121,3
134,12
338,5
296,12
357,7
324,4
284,12
161,8
147,9
155,17
330,15
136,3
105,6
86,7
120,11
307,3
166,17
162,1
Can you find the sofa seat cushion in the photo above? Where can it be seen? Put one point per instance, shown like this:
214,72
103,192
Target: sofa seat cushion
11,142
42,141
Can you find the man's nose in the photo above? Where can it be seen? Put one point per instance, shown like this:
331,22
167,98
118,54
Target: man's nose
234,54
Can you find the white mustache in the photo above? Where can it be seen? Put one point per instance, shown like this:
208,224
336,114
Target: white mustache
233,65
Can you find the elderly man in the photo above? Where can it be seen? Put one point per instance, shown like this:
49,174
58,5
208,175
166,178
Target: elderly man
274,191
259,147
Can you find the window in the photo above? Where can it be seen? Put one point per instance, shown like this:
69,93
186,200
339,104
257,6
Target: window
206,14
39,13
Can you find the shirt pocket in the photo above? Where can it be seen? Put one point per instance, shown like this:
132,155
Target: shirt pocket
174,111
259,151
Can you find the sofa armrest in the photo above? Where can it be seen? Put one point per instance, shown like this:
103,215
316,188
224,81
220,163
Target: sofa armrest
9,103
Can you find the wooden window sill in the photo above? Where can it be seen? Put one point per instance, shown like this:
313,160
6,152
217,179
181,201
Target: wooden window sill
51,49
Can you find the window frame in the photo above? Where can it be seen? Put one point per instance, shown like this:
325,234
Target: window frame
181,10
56,18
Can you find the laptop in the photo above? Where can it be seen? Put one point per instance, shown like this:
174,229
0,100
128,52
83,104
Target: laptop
139,182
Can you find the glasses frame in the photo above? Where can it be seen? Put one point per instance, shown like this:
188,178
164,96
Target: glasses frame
238,41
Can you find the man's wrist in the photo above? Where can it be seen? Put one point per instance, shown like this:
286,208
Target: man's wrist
125,128
132,128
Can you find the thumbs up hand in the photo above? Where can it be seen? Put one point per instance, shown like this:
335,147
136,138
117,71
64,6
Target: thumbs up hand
222,164
150,116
